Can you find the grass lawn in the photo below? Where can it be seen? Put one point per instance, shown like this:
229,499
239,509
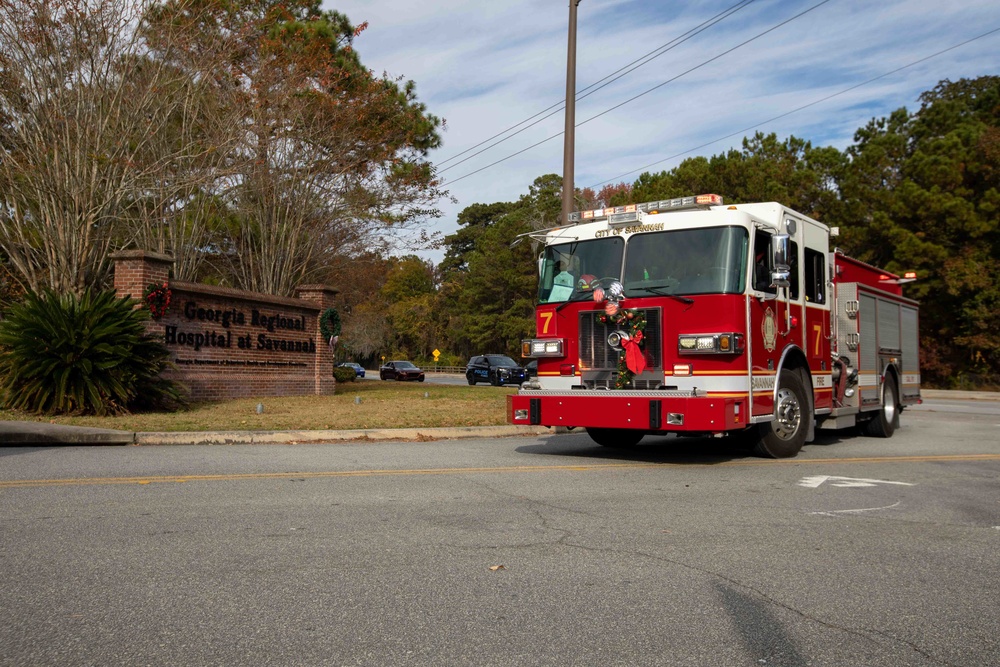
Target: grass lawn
382,405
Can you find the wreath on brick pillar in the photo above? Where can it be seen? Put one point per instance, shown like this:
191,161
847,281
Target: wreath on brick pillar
329,325
157,298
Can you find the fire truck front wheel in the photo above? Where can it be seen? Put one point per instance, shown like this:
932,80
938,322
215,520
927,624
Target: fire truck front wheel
619,438
784,437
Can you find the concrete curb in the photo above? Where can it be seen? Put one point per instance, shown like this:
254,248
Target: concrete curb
949,395
320,437
42,433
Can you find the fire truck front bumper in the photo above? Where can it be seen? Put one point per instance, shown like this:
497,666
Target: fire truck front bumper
653,411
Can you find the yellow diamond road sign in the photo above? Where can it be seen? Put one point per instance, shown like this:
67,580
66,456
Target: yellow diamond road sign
436,353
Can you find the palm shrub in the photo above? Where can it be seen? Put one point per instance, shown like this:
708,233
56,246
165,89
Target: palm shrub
87,355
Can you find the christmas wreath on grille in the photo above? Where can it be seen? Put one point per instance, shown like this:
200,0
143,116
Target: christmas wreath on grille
329,325
630,342
157,298
628,339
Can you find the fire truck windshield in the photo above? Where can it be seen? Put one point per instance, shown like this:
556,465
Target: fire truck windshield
569,271
709,260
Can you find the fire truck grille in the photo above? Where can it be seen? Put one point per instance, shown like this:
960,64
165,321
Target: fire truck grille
597,355
637,383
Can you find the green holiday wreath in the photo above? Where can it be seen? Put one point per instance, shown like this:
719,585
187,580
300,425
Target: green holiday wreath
329,324
157,298
632,322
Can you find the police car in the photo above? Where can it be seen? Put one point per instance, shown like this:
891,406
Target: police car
497,369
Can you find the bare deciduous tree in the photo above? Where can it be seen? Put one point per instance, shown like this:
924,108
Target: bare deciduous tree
83,114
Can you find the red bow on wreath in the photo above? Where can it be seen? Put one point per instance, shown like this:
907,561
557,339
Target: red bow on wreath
634,358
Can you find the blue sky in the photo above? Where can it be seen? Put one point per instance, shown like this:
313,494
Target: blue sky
487,66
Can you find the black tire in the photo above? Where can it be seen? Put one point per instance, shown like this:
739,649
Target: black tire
495,380
886,420
471,379
784,437
618,438
420,379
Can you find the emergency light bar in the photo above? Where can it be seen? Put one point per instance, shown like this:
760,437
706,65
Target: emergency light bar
908,277
649,208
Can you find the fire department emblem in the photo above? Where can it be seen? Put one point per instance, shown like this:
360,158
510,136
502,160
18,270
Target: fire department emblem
769,329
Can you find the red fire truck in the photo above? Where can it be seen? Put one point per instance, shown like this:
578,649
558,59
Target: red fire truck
689,316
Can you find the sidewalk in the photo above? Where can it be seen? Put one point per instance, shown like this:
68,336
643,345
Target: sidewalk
42,433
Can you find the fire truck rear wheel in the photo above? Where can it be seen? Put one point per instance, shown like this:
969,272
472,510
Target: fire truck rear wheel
886,420
784,437
619,438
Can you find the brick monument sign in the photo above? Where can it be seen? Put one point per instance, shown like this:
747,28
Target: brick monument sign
227,343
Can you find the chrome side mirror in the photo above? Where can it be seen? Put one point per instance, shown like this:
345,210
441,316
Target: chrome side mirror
780,276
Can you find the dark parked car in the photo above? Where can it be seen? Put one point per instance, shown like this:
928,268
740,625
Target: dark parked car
358,370
400,370
497,369
532,368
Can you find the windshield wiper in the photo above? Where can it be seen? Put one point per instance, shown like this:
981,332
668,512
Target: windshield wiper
583,297
660,292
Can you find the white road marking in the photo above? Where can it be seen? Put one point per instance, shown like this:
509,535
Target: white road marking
844,482
867,509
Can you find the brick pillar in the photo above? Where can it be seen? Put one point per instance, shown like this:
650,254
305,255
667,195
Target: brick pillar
136,269
323,297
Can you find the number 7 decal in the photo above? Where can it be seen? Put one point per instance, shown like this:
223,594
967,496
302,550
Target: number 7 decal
546,319
818,328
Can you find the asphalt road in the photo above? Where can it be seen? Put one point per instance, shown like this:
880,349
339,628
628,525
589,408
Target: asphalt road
515,551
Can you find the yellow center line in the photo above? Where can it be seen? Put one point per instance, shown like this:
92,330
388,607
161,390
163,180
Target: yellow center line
177,479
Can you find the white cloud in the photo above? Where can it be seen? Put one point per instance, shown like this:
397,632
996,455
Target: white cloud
485,66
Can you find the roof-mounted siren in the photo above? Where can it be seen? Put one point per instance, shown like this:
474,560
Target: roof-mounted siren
619,216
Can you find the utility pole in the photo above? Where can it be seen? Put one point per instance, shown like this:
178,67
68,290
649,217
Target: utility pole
569,134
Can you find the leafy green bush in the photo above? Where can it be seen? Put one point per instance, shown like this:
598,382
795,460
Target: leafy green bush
88,355
344,374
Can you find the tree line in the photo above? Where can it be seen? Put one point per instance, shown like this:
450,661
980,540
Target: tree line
247,139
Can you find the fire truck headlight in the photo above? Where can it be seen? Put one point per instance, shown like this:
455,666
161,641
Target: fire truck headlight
723,343
685,343
550,347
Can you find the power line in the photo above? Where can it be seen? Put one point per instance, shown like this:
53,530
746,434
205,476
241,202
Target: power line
710,60
627,69
804,106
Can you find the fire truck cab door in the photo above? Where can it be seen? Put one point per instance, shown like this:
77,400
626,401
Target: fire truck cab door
770,311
